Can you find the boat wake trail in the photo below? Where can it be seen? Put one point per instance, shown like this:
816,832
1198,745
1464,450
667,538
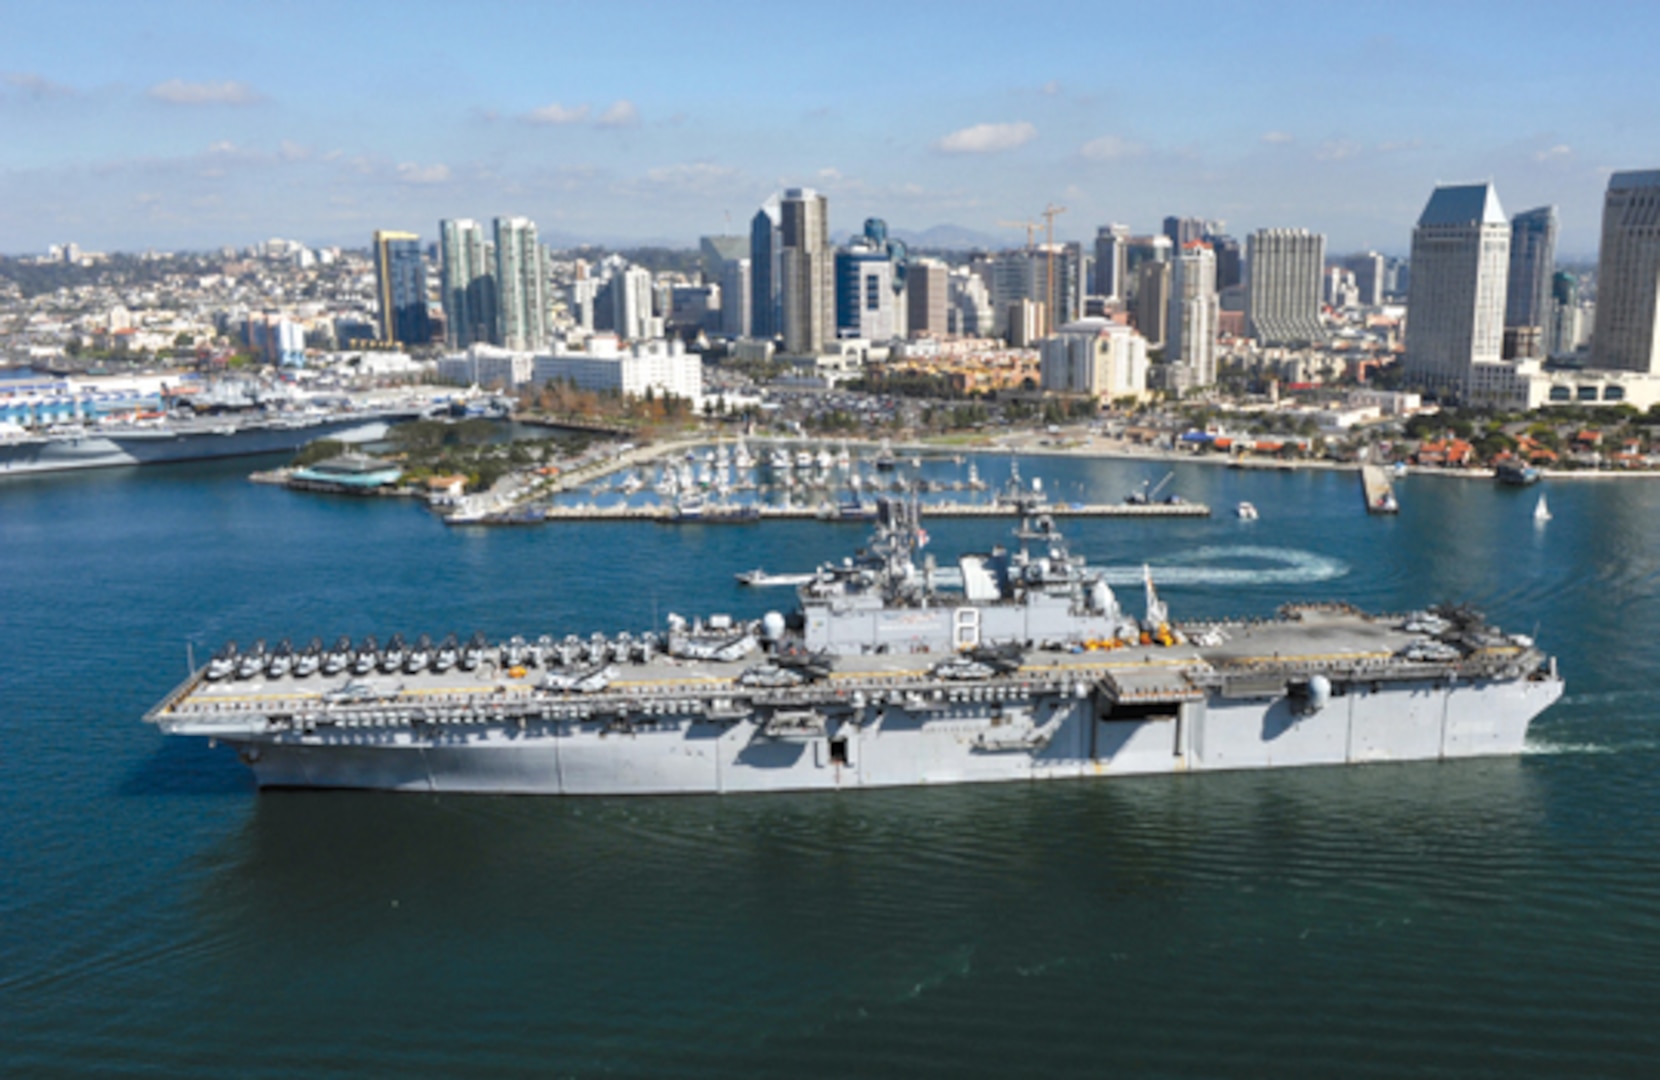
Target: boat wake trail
1241,565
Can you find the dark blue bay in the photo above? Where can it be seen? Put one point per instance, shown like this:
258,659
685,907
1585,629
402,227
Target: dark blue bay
1480,919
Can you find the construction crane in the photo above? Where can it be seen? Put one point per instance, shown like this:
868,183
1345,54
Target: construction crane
1049,213
1031,227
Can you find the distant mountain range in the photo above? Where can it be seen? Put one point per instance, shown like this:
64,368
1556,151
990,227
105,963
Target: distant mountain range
957,238
942,238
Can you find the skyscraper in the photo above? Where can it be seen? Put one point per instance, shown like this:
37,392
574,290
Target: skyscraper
1455,307
1150,306
1532,261
1112,261
1193,311
521,289
467,270
1626,336
927,293
1282,292
401,287
631,308
765,276
807,295
1368,269
1182,231
1230,265
1138,251
870,285
736,315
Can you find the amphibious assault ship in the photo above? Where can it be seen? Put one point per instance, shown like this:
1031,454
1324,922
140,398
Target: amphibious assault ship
1029,669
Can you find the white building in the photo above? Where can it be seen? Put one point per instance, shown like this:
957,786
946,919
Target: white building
631,309
1627,333
1095,356
605,365
1282,294
1455,314
1193,313
487,366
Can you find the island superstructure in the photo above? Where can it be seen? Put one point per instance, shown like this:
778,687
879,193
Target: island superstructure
881,676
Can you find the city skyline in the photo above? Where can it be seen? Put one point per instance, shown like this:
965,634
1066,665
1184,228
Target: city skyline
185,125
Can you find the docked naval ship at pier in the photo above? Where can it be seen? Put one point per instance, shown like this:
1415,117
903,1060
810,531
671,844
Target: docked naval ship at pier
231,418
1025,667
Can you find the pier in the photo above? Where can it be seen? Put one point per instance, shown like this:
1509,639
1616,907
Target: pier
669,515
1376,490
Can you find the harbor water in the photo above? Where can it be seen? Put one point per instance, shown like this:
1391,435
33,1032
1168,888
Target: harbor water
1496,918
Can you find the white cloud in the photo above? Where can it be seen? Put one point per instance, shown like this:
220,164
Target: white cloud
179,92
1554,153
557,114
987,138
699,177
411,173
1278,138
1050,88
1111,148
1337,150
621,113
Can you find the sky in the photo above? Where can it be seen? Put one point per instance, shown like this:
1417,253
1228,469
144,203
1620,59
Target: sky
177,125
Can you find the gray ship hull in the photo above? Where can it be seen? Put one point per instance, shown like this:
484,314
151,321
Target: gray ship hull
195,442
1053,738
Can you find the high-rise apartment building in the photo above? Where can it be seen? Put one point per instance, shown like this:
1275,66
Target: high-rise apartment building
1094,356
521,288
401,288
1282,291
766,249
1626,336
1532,262
807,293
928,298
467,271
631,305
1455,308
1112,261
1193,312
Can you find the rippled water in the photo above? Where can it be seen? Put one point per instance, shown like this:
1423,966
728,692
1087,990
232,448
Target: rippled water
1488,918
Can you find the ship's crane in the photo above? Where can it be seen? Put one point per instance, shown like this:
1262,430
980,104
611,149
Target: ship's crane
1149,491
